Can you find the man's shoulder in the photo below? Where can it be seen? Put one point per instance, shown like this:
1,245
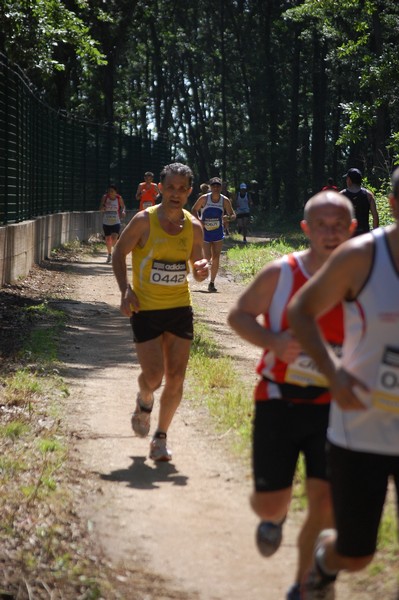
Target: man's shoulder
202,198
188,215
368,192
142,217
275,266
356,248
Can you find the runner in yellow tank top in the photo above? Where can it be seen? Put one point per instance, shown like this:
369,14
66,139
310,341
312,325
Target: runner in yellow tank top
164,240
160,267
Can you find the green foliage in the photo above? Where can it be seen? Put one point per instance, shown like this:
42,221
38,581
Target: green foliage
387,533
21,387
384,210
49,445
246,261
13,429
36,30
285,94
393,146
381,201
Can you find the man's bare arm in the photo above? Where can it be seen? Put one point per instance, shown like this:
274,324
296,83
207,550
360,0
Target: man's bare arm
135,233
373,209
255,301
337,280
228,207
200,203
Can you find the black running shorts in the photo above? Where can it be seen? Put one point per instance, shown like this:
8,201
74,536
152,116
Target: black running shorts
150,324
359,483
281,431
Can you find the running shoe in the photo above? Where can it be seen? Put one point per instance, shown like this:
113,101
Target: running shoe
294,593
316,584
141,418
109,259
211,287
158,448
269,537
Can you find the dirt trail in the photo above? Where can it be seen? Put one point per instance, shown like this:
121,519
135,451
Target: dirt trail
187,521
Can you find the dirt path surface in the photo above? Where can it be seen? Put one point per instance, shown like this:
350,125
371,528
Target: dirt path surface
187,522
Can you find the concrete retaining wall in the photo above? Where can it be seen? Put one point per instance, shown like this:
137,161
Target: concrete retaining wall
24,244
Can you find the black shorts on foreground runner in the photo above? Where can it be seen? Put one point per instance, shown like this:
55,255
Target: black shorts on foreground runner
359,492
282,430
150,324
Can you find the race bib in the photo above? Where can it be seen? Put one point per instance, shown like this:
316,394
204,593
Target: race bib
211,224
166,273
110,217
385,396
303,371
147,204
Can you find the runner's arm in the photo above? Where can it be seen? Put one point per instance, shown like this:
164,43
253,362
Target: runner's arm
256,301
122,205
102,203
198,263
134,234
200,203
339,279
229,209
373,209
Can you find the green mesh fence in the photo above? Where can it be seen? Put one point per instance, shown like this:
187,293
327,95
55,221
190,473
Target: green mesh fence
51,162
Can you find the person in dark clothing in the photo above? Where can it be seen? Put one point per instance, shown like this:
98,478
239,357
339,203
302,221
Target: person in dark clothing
363,201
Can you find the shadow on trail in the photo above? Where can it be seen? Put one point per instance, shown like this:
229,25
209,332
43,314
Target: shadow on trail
77,267
95,337
143,476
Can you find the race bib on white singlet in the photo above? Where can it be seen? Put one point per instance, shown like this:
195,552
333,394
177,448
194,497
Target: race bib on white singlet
211,224
110,217
303,371
385,396
166,273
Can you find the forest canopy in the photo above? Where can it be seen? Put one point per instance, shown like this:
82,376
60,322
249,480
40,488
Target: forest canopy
284,94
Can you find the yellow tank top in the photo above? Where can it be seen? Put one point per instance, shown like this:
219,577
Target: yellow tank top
160,268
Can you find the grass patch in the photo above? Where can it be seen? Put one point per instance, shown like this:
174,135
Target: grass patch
244,262
43,341
76,247
214,379
20,388
13,430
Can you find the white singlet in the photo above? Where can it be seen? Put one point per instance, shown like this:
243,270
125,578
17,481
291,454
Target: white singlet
371,353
